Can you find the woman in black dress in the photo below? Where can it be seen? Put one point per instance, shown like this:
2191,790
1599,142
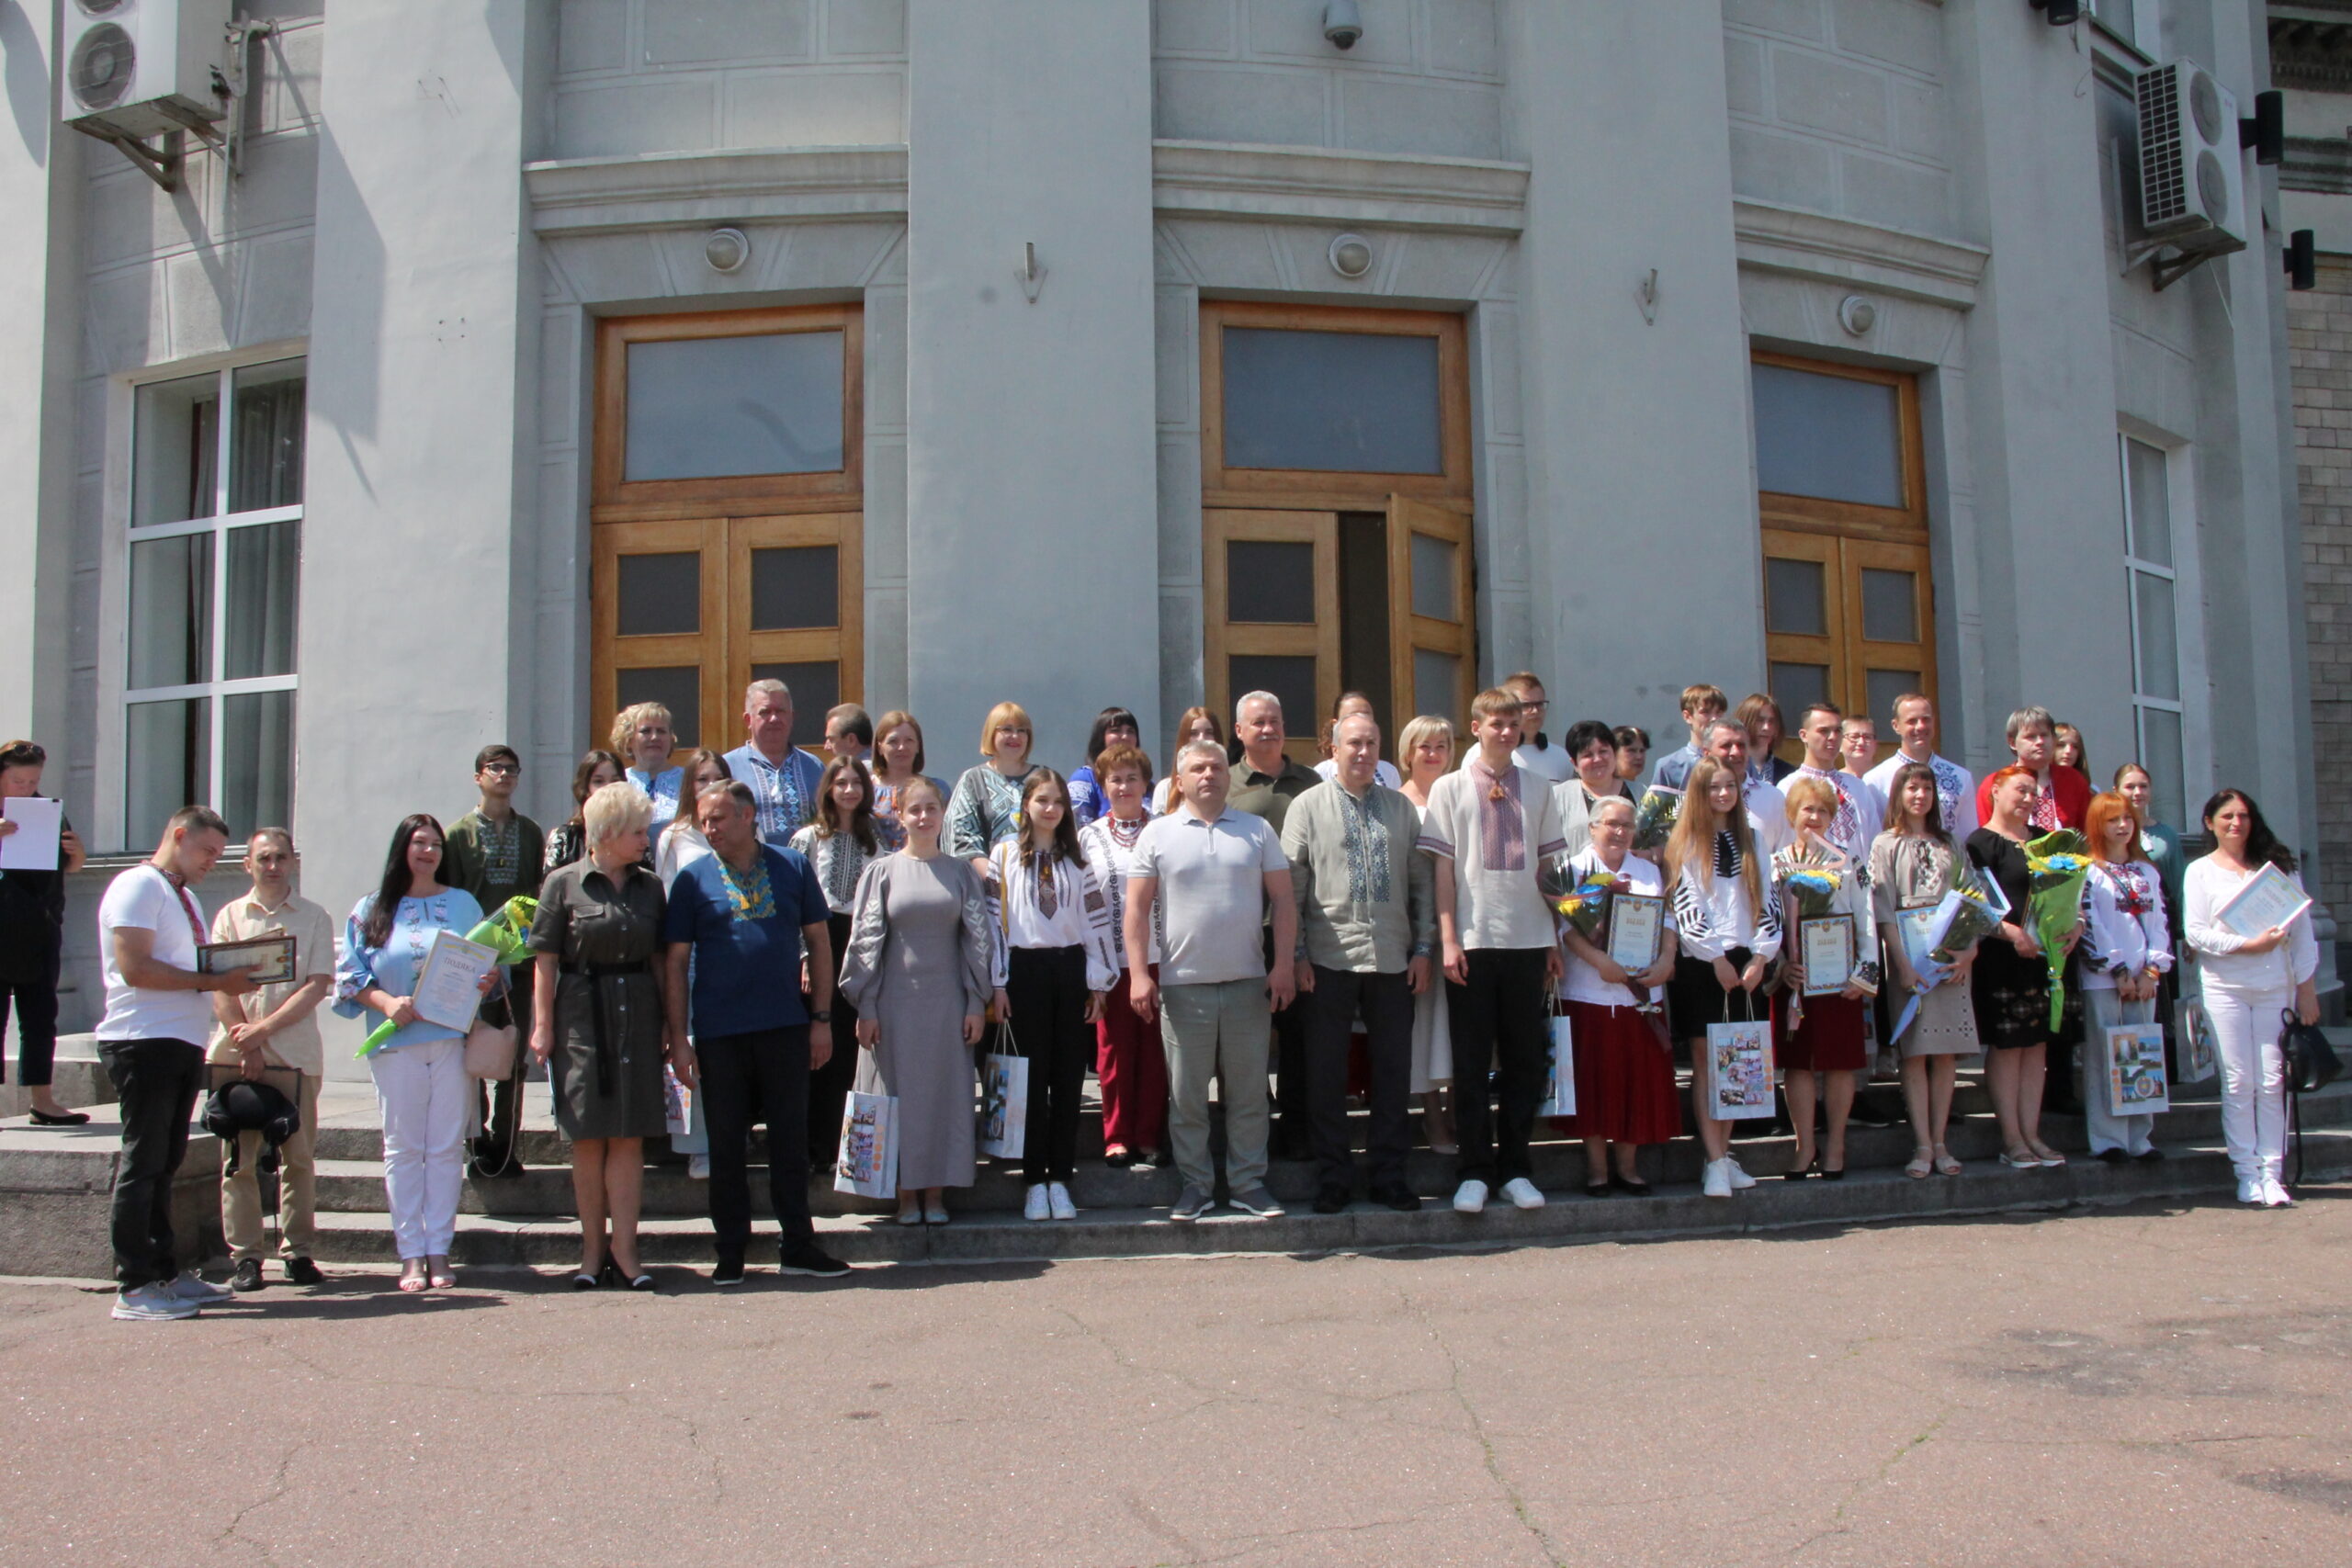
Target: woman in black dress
2011,985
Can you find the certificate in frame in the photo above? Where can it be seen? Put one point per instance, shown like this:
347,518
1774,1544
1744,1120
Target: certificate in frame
1825,946
268,960
1636,930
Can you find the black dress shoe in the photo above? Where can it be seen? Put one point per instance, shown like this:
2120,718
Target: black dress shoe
2148,1155
247,1275
1332,1199
1631,1186
302,1272
2113,1156
1597,1189
1398,1196
63,1119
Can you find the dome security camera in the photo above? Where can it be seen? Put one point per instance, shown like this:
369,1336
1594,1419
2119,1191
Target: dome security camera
1342,23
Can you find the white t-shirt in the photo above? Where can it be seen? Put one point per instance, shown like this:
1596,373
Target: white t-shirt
143,898
1212,893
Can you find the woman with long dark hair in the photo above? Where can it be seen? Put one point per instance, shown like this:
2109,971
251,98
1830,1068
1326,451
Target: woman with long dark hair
1112,727
1913,865
420,1072
570,840
840,841
2247,982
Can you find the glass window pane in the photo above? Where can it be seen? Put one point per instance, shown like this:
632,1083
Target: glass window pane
1348,403
715,407
2160,753
660,595
2159,641
256,761
170,755
262,562
1797,686
266,444
1290,676
1827,436
171,612
1889,606
1269,580
816,688
2150,496
1884,686
1436,565
1437,683
2117,17
676,687
795,587
1796,597
177,451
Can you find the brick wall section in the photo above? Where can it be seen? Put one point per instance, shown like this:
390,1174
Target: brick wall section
2319,349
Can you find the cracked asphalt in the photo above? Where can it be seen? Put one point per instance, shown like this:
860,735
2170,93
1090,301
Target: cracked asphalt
2153,1384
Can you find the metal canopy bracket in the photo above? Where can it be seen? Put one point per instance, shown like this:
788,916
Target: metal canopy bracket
162,164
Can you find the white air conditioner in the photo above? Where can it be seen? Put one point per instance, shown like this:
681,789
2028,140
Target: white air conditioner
2192,174
141,67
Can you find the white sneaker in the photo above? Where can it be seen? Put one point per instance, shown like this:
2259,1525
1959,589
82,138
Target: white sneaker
1037,1206
2275,1194
2250,1192
698,1167
1717,1182
1740,1180
193,1287
1522,1193
153,1303
1470,1198
1057,1199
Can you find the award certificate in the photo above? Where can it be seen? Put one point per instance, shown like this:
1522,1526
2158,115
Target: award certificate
268,959
2268,899
1921,928
1826,945
448,989
1636,921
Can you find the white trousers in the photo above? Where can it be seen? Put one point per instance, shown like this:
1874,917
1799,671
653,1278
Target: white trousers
2103,1010
2253,1077
425,1101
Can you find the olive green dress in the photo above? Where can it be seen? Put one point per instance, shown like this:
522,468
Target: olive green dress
606,1066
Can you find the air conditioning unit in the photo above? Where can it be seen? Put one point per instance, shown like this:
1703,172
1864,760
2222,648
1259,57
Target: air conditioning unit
2192,174
142,67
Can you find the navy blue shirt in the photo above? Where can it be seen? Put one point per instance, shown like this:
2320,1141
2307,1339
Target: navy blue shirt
746,935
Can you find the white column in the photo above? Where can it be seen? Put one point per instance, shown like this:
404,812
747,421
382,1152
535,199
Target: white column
1032,545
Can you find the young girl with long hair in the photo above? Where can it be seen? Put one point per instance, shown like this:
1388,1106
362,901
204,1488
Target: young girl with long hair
840,843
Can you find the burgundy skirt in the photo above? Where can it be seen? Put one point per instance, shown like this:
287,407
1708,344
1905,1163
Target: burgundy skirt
1833,1038
1624,1078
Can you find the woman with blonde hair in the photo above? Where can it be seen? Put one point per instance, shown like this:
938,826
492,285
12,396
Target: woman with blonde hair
1729,933
642,733
1425,749
985,809
1829,1034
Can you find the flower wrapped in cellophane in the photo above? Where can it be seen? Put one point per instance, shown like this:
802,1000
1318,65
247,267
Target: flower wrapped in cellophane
508,932
1654,817
1976,914
2055,905
1580,899
1812,886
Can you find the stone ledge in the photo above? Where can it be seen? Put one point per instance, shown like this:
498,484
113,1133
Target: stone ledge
1374,189
675,190
1898,262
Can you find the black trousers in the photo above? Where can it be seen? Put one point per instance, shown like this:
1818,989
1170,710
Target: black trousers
829,1085
157,1082
1046,986
1293,1125
1500,1022
498,1101
1387,1004
762,1077
34,1000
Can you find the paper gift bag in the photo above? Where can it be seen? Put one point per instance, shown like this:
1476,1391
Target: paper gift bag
1739,1060
1560,1091
2201,1053
2135,1071
1005,1106
677,1104
868,1162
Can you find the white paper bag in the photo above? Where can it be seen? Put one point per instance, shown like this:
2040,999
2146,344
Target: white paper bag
868,1163
2201,1053
677,1104
1005,1106
2135,1071
1739,1077
1560,1091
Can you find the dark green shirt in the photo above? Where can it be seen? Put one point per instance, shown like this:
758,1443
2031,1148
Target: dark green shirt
494,861
1269,795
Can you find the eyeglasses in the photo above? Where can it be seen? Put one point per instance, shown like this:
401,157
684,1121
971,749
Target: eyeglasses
503,770
1013,730
1534,707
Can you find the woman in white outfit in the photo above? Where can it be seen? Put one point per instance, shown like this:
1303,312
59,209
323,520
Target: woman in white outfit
2124,954
2247,982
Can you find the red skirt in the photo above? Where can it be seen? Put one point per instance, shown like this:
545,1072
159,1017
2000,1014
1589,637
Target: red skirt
1833,1038
1625,1077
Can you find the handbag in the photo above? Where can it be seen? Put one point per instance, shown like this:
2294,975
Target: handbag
2312,1065
490,1051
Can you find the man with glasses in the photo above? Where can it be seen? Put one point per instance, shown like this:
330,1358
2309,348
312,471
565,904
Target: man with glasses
783,778
1536,753
496,854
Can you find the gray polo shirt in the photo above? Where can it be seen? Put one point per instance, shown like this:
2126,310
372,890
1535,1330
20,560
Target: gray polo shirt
1212,880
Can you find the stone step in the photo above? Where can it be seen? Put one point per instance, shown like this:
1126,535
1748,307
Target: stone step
79,1079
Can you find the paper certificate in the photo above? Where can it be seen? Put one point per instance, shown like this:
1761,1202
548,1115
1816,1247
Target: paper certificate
1921,928
33,846
2269,899
448,990
1636,922
1825,944
269,960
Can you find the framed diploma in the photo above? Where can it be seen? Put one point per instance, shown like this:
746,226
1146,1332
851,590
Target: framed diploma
1825,946
2267,898
448,988
1636,923
270,958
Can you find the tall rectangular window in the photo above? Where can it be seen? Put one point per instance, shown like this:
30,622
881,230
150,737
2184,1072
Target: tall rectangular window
215,554
2127,20
2151,576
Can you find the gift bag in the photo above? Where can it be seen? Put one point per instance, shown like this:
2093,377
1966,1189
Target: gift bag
2135,1071
2200,1054
868,1162
1004,1105
677,1104
1560,1091
1739,1058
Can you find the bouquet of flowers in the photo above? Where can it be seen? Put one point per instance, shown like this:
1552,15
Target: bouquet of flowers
509,931
2054,908
1977,915
1581,901
1811,886
1654,817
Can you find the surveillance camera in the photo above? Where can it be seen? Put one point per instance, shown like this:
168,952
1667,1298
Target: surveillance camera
1342,23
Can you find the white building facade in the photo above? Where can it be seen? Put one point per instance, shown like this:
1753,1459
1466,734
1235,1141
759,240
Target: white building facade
933,352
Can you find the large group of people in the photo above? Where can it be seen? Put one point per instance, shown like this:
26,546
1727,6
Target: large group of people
726,940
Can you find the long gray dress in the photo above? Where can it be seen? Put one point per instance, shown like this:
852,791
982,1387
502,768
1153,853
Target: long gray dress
918,965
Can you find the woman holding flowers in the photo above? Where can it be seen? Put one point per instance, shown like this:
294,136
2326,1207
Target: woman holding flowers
603,1043
1914,864
1425,753
1829,1033
1729,928
2011,985
2126,951
1624,1062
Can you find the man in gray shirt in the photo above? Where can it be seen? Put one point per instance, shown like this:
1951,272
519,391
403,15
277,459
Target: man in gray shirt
1367,914
1214,870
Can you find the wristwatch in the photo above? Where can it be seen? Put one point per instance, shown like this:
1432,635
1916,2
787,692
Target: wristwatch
820,1015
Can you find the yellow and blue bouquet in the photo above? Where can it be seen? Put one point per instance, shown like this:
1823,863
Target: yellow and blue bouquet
2059,862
